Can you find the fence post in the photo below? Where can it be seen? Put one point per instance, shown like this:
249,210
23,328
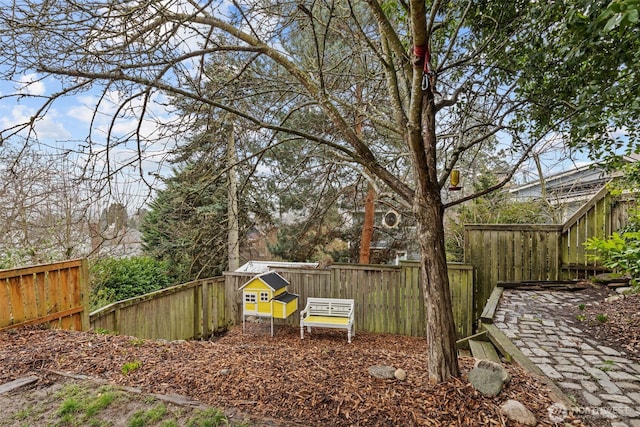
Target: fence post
206,315
83,288
197,306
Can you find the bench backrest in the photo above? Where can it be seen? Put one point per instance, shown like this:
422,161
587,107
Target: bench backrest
330,307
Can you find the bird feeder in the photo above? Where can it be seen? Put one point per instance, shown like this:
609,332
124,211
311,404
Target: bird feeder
454,180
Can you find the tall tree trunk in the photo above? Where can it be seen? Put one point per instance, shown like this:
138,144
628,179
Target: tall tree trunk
233,241
441,332
367,227
429,212
428,209
369,203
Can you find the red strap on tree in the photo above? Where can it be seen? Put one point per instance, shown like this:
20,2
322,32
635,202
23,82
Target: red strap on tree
422,58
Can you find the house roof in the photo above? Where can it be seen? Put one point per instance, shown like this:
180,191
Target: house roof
586,179
285,297
271,279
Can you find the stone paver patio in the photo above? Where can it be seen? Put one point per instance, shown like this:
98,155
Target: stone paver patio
603,382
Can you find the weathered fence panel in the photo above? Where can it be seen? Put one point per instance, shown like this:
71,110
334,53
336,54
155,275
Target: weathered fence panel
599,217
388,299
54,294
510,252
191,310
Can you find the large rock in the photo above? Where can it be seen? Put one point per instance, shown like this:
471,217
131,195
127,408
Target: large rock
489,378
517,412
382,372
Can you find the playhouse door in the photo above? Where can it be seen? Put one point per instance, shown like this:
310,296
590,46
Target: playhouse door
250,303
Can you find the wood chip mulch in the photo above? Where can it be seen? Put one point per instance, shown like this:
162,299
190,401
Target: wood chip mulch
615,323
318,381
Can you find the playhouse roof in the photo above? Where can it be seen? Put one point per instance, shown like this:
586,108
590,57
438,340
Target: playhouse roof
271,279
285,297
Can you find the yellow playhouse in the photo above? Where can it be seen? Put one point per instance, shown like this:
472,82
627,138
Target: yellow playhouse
265,295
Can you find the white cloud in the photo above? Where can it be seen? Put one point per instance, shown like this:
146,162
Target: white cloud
31,84
49,127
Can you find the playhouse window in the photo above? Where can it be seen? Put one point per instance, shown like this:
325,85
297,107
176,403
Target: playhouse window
264,296
250,298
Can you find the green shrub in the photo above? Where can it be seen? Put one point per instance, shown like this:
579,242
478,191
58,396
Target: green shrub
116,279
619,252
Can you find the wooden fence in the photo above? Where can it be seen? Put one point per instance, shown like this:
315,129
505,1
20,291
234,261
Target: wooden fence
514,252
54,294
189,311
388,299
599,217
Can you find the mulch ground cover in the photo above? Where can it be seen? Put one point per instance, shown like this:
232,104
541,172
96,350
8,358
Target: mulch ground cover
318,381
615,323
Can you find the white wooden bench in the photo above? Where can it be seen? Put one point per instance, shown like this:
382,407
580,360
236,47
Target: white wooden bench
328,313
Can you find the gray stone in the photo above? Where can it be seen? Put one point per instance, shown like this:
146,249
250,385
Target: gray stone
400,374
592,359
562,360
608,351
570,386
526,352
575,376
616,398
635,396
549,371
622,376
585,347
589,386
541,360
627,385
613,298
625,411
624,290
619,359
540,352
609,387
225,371
570,368
489,378
517,412
596,373
510,334
591,399
382,372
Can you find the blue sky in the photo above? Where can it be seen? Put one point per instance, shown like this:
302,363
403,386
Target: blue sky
70,120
